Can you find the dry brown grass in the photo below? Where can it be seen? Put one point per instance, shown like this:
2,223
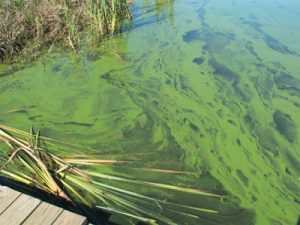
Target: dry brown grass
26,26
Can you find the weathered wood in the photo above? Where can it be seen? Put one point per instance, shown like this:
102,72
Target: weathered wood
17,212
44,214
7,197
70,218
17,208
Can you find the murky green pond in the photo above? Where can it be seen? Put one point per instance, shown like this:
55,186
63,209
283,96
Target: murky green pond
206,86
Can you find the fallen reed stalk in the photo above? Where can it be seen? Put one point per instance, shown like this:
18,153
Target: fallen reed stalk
28,162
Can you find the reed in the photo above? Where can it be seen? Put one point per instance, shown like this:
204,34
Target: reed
26,160
27,26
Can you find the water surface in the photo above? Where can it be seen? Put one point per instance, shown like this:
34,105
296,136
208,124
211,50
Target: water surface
207,86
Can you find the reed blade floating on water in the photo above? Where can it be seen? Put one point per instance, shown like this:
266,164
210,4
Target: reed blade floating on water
29,162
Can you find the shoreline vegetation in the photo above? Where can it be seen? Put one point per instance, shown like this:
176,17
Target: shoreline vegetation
30,159
29,26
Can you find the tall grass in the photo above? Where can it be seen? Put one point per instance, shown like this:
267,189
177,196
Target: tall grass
26,159
27,26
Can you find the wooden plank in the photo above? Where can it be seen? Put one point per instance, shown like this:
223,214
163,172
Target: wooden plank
7,197
17,212
70,218
44,214
17,208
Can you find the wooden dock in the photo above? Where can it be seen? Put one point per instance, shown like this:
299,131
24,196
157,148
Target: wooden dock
20,209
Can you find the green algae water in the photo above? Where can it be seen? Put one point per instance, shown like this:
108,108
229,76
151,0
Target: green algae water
210,87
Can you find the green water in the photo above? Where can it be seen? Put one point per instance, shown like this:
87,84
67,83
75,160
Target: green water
207,86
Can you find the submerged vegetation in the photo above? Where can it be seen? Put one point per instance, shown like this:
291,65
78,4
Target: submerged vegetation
27,26
27,161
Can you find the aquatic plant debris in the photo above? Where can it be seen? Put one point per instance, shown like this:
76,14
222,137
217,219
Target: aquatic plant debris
27,162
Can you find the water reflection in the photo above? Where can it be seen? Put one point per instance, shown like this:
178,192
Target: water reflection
156,11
